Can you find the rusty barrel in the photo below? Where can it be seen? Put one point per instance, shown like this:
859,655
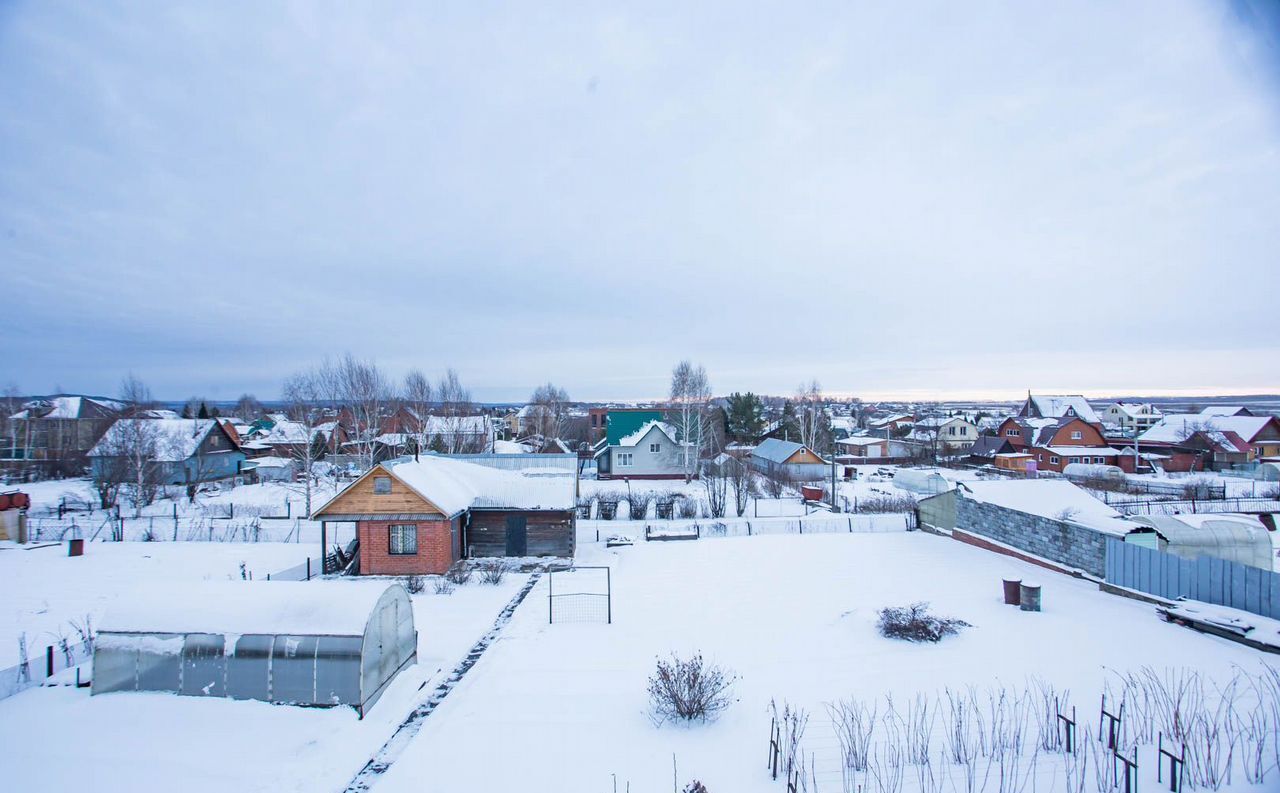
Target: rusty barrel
1030,596
75,547
1012,590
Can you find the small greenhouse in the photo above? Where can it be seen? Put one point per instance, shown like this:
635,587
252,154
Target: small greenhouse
1112,473
1235,538
1267,472
301,643
923,481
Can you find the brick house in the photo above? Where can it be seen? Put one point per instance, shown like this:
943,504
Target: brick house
417,517
1056,443
1219,440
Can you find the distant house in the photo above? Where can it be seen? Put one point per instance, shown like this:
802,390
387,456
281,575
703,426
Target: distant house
789,460
269,469
1226,410
986,447
1056,407
893,422
1131,416
1058,442
177,451
867,449
417,517
640,444
55,433
287,438
948,433
1223,440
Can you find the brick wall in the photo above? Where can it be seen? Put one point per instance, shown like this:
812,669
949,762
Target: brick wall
1059,541
435,548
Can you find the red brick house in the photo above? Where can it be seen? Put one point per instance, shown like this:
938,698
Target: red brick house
416,517
1056,443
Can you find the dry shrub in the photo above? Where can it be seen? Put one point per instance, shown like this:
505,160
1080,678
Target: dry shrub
914,623
458,573
492,571
443,586
415,584
689,690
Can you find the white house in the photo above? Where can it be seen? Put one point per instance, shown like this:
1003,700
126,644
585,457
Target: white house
1131,415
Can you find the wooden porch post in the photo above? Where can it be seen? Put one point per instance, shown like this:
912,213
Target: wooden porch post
324,545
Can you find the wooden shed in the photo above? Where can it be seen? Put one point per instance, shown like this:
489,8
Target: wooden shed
420,516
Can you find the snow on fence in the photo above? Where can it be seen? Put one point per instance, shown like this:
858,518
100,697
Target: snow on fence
1188,506
108,528
1206,579
821,523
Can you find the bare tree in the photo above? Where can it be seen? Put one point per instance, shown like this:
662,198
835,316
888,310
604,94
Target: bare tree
742,479
811,416
135,394
304,394
248,407
418,395
458,433
552,410
715,478
690,394
365,390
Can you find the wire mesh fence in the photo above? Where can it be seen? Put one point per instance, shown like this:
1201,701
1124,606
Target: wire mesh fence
580,594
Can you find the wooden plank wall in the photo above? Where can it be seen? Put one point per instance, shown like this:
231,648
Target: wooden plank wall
549,533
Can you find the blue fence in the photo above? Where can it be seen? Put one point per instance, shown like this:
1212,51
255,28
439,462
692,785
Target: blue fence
1205,579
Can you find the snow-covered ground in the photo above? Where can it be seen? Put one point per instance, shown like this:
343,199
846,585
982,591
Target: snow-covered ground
44,590
56,739
794,617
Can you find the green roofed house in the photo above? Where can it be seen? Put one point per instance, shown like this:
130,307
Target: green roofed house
640,444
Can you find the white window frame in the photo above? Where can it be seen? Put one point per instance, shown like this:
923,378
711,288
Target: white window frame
626,459
1053,460
655,448
1012,433
1076,435
397,533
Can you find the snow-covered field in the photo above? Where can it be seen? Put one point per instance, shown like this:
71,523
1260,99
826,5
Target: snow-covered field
794,616
55,739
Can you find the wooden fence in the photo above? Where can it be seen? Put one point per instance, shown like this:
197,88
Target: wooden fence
1205,579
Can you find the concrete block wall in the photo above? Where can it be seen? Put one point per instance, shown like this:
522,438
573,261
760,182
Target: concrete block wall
1059,541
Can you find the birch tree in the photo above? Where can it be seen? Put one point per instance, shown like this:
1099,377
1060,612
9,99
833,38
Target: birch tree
811,415
456,409
304,393
367,393
418,394
690,393
552,413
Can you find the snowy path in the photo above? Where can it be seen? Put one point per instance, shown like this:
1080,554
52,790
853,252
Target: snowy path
408,729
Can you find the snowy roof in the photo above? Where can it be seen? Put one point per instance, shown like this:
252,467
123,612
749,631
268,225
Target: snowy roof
861,440
939,421
175,439
269,462
1177,427
776,451
635,437
510,447
1056,406
1049,498
286,431
68,407
462,425
1081,451
1135,409
454,485
1223,410
329,608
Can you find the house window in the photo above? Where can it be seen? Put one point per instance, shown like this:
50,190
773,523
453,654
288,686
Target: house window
402,539
381,485
1053,460
964,430
951,430
654,448
1073,459
1039,458
1076,435
1013,433
624,459
1099,460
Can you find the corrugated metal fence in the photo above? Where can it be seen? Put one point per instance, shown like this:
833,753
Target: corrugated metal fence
1206,579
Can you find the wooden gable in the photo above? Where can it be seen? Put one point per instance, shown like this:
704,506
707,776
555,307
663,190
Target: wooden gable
1089,435
803,456
360,499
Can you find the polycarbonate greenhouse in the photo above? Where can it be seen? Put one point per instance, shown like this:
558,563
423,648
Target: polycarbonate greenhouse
301,643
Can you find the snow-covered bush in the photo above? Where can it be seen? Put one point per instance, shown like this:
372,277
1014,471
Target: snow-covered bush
638,504
914,623
458,573
694,787
415,584
492,571
688,508
883,504
443,586
689,689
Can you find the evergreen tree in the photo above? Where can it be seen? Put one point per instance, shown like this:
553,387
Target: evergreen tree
204,411
744,417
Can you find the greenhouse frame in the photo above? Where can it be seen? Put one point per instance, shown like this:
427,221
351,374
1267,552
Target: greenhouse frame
318,643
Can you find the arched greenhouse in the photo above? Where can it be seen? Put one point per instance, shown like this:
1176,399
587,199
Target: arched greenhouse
301,643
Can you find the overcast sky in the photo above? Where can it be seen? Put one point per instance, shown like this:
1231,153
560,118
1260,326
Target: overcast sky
972,199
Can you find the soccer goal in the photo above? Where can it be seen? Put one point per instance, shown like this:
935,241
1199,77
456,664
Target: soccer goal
580,594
